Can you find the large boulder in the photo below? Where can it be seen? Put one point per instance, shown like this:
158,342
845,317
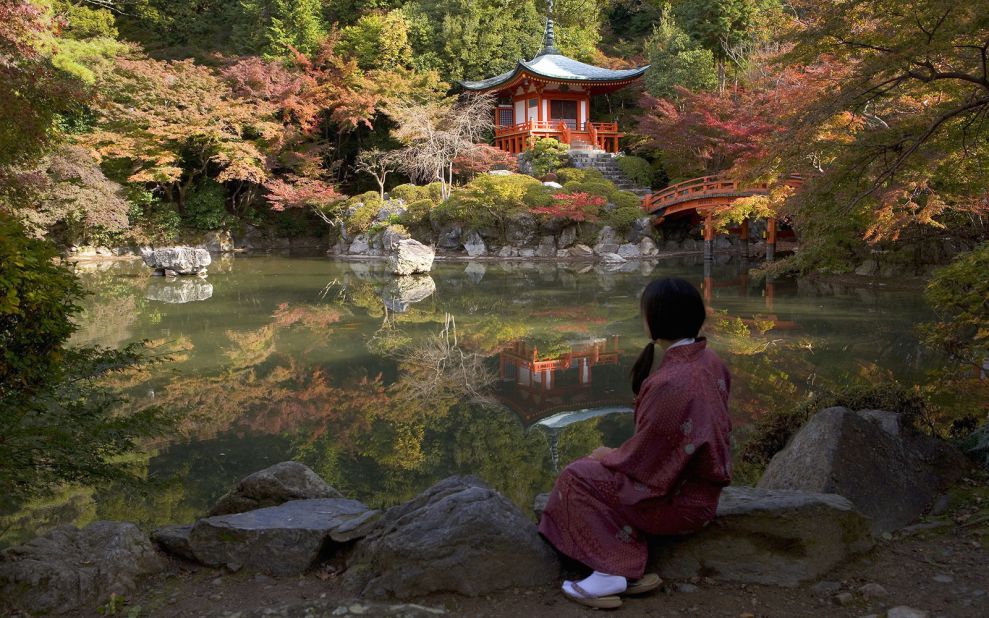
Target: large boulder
288,480
177,292
403,292
279,540
457,536
647,247
889,472
581,251
71,568
629,251
411,257
474,245
180,260
568,236
764,536
360,246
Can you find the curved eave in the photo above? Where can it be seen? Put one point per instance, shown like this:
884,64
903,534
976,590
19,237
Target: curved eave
522,70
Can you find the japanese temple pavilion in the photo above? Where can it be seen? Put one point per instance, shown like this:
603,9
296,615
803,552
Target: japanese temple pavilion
550,96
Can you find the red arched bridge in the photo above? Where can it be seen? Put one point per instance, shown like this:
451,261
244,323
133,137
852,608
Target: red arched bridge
707,195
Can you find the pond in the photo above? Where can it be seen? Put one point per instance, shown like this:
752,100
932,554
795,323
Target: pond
506,370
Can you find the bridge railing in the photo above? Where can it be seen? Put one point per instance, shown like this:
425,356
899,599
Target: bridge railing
707,186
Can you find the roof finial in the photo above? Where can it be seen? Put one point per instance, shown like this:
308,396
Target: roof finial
549,38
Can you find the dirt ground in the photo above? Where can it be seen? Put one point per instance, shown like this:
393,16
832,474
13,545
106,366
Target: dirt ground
940,565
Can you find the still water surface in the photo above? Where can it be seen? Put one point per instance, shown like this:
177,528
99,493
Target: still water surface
503,370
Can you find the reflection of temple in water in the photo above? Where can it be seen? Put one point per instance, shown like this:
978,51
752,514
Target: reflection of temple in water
535,388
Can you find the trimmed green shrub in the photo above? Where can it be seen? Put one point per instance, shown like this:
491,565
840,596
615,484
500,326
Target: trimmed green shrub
568,174
365,208
637,169
622,219
599,187
539,196
417,212
627,199
547,155
487,201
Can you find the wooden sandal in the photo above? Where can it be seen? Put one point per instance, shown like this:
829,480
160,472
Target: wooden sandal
585,598
647,583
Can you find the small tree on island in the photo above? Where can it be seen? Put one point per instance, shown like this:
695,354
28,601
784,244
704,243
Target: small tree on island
575,207
437,133
378,163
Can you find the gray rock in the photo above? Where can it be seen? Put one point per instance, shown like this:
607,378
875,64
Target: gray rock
581,251
873,591
890,473
360,246
553,185
457,536
403,292
547,247
722,243
671,245
391,237
71,568
508,251
867,268
640,229
689,244
844,598
449,237
279,540
288,480
391,208
568,236
521,230
501,172
612,258
760,536
686,588
563,253
181,260
607,241
175,540
474,245
527,253
902,611
647,247
629,251
178,291
411,257
826,587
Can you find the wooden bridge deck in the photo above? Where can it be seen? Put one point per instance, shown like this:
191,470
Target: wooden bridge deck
705,193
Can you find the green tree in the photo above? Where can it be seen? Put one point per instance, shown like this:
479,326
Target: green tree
676,60
377,41
275,27
719,26
58,423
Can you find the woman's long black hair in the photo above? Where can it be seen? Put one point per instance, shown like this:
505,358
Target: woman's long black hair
673,309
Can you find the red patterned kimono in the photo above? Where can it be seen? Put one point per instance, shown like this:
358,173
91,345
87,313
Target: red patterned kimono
664,480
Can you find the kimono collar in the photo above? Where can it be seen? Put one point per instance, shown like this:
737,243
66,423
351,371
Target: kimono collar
685,352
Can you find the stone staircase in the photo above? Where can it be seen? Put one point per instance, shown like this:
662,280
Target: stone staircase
606,163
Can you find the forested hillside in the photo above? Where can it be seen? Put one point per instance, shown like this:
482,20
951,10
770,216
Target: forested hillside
136,119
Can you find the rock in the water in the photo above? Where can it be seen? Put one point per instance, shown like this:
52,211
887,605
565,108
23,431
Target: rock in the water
581,251
411,257
767,537
457,536
288,480
179,291
629,251
647,247
612,258
890,473
474,245
181,260
360,246
71,568
404,292
218,242
279,540
175,540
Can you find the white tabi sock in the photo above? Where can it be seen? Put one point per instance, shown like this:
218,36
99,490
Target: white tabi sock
598,585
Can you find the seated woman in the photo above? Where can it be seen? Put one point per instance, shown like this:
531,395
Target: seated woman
667,477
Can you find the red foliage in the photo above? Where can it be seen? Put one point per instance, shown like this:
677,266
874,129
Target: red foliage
299,192
484,158
576,207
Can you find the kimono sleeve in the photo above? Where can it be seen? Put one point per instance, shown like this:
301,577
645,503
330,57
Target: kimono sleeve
659,451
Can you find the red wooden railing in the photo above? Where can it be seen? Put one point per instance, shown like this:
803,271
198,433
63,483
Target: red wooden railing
707,189
515,138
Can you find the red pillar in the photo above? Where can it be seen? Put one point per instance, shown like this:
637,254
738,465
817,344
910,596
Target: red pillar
771,240
709,235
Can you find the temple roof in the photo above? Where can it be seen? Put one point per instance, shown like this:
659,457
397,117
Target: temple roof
557,67
550,64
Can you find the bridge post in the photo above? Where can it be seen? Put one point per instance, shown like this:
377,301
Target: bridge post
709,236
770,240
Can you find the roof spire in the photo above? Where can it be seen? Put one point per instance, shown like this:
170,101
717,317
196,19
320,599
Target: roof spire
549,38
